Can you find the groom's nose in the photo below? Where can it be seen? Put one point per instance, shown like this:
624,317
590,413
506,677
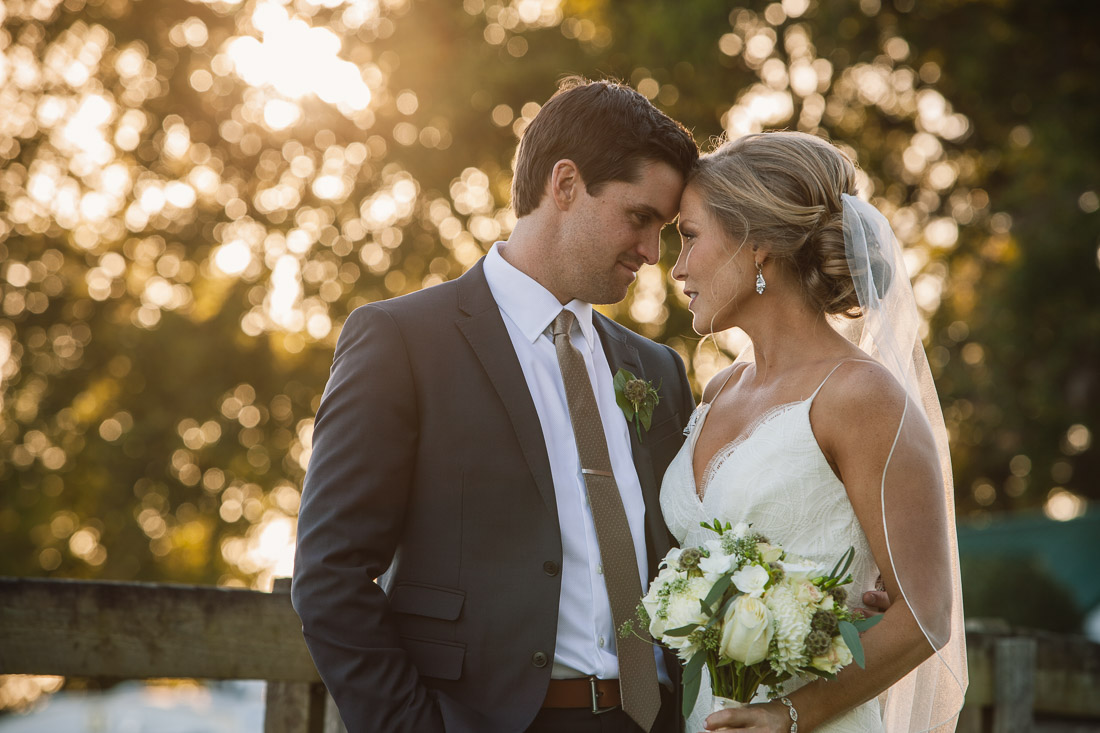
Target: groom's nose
649,249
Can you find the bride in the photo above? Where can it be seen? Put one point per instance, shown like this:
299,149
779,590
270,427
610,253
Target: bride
827,434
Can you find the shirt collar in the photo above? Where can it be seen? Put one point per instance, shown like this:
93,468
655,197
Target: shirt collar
531,306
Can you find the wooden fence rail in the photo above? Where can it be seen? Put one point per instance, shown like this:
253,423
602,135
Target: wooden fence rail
142,630
1032,682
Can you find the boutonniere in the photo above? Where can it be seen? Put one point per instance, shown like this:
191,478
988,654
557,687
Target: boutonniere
637,398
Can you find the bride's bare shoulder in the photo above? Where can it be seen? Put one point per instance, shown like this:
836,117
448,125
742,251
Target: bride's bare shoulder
861,393
718,381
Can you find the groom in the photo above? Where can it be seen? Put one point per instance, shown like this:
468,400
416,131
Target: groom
470,454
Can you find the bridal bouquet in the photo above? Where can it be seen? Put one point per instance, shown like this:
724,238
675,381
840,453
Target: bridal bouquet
752,613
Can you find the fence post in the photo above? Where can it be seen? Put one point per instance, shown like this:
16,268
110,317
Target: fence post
1014,685
299,707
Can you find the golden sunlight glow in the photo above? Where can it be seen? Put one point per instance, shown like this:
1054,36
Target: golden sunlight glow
296,59
759,107
1063,505
267,549
84,133
232,258
1078,439
942,233
286,291
19,692
280,114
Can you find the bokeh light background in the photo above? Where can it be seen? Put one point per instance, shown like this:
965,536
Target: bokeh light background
194,195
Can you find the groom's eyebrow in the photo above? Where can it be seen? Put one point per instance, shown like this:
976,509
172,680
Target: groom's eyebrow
659,216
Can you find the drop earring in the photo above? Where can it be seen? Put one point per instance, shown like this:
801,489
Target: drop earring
760,284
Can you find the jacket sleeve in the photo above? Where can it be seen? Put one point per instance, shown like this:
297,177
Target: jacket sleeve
356,493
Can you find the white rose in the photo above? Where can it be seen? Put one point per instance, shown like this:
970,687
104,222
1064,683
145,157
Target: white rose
796,568
807,593
740,530
838,657
751,580
747,630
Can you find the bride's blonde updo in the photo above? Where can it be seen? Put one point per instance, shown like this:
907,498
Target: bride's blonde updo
783,190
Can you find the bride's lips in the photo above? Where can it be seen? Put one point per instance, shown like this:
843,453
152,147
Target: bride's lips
691,297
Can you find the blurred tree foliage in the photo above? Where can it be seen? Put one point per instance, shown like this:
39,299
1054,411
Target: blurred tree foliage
194,195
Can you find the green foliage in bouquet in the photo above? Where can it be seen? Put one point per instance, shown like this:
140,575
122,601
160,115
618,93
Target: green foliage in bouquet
751,614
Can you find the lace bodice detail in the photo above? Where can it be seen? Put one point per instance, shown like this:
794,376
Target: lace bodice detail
776,478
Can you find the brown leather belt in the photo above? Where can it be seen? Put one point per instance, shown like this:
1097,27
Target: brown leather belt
597,695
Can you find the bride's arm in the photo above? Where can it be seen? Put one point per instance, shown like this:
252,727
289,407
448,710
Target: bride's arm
855,419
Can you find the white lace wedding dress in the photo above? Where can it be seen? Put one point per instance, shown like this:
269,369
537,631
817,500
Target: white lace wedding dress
776,478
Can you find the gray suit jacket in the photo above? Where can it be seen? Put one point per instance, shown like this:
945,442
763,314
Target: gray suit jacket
429,472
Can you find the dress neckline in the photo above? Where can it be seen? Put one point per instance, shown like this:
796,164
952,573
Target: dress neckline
728,449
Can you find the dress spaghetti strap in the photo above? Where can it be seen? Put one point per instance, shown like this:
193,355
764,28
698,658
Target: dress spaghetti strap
826,379
724,383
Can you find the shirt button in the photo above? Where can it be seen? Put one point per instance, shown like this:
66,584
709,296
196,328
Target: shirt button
550,567
599,568
539,659
602,642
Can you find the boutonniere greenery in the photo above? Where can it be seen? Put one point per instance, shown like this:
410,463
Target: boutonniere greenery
637,398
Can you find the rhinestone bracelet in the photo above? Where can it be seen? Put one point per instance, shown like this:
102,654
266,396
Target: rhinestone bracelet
794,713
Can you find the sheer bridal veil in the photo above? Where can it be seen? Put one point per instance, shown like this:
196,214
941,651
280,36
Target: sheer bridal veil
930,697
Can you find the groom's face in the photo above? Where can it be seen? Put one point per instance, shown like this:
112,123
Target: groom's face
610,235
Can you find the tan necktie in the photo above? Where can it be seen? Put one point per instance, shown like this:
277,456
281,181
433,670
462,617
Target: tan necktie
637,667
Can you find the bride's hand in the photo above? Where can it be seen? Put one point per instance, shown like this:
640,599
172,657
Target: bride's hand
768,717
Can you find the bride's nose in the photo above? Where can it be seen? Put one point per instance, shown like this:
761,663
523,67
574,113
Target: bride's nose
679,270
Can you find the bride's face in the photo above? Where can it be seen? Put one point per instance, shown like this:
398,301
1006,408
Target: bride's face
717,272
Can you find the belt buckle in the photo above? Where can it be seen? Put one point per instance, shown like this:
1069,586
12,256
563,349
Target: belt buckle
596,709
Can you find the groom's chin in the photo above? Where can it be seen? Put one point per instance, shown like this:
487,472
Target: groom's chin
608,295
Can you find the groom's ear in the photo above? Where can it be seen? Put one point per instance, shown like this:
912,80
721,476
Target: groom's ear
565,183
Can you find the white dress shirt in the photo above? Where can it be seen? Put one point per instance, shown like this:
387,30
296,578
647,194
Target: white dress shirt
586,634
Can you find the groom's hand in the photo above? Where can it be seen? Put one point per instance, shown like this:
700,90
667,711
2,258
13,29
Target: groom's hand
876,601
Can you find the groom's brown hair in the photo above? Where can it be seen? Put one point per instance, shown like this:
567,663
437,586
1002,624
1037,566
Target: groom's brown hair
607,129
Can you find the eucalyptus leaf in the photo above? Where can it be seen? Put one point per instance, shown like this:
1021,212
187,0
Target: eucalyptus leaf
865,623
717,591
681,631
694,667
855,646
693,677
726,606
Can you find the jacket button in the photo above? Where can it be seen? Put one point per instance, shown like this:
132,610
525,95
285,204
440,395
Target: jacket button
538,659
550,567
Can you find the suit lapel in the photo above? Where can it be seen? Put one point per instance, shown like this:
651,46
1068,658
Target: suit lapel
621,355
484,329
